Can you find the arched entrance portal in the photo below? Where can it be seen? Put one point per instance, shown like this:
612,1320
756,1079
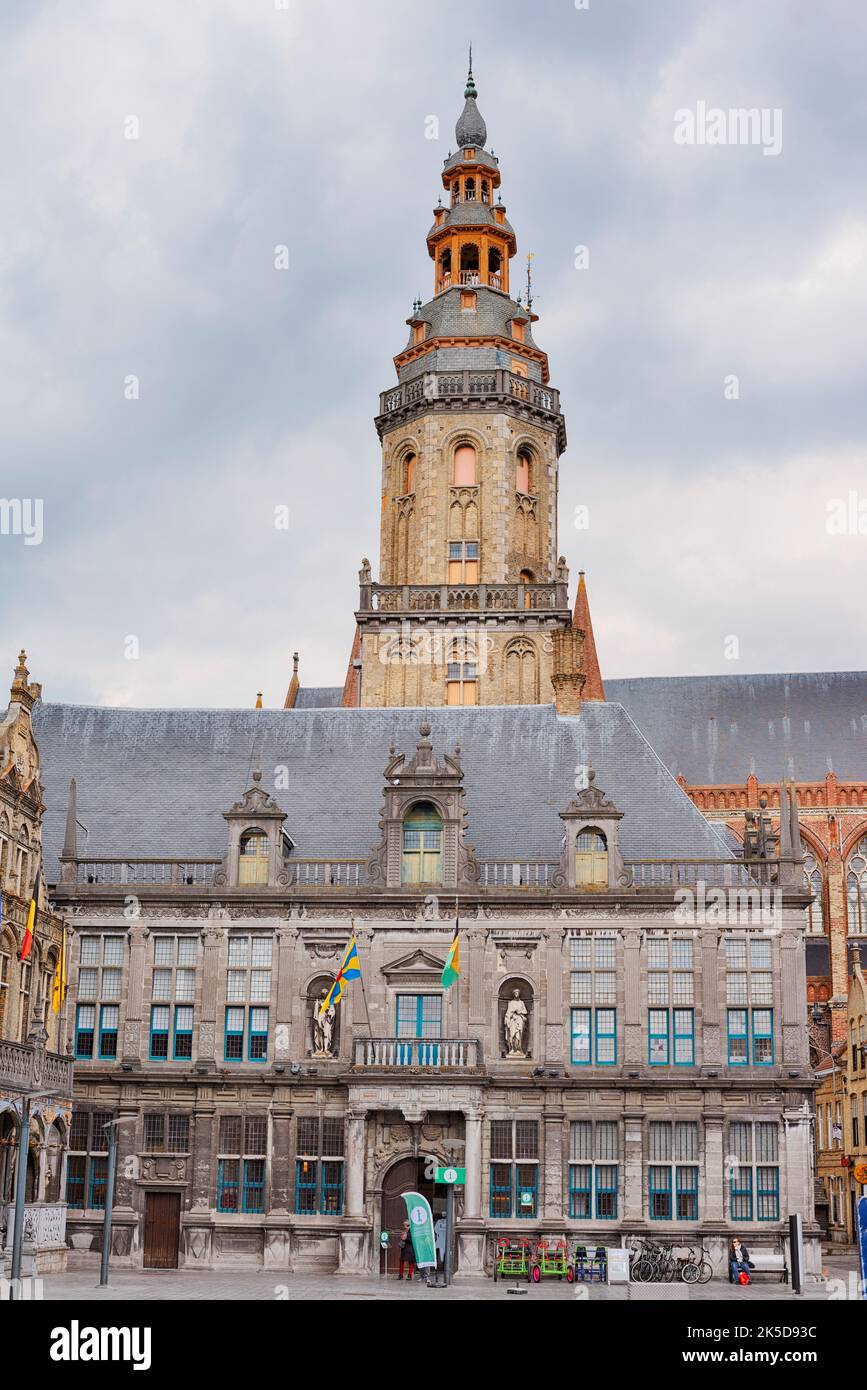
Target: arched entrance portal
406,1175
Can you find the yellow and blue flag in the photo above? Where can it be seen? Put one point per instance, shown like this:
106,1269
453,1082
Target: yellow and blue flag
350,969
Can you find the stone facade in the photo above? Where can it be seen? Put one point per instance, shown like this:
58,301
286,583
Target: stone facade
281,1153
28,1025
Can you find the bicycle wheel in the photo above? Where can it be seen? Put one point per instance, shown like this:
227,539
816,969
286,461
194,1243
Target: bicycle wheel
690,1271
705,1272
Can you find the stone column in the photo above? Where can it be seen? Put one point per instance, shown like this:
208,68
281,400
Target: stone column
553,1042
135,982
215,935
713,1205
286,939
355,1146
793,980
552,1138
837,938
633,1181
473,1164
633,1031
281,1120
709,1051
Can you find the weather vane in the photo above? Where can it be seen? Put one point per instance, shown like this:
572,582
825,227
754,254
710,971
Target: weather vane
529,281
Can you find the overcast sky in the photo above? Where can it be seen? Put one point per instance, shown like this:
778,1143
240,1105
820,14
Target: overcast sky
306,127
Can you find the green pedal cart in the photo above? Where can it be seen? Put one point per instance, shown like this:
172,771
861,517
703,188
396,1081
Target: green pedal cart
513,1258
551,1259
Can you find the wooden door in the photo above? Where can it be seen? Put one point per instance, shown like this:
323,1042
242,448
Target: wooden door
162,1230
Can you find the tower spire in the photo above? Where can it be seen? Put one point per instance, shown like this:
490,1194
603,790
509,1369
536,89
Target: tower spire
593,687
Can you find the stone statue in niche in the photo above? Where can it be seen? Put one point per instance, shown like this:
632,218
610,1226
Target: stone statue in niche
323,1026
515,1025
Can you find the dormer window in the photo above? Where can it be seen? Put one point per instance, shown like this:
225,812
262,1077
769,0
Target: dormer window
253,858
591,860
470,154
422,845
419,331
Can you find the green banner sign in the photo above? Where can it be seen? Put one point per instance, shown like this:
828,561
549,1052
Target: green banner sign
421,1227
457,1176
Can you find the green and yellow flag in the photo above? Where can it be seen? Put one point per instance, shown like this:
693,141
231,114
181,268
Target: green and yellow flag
452,967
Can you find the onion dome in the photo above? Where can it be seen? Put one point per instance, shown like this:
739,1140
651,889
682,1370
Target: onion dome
471,129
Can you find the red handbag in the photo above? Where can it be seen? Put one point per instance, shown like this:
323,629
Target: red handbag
743,1277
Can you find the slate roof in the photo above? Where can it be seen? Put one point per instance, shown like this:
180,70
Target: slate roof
473,214
493,311
156,782
720,728
483,158
319,697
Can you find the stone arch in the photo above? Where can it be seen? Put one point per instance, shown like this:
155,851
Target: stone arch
521,662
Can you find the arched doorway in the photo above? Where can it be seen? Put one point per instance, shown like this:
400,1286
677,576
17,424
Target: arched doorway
406,1175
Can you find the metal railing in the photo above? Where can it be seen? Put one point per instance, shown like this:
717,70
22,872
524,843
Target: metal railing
425,1054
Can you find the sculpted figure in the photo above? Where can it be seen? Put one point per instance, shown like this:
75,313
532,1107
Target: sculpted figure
515,1025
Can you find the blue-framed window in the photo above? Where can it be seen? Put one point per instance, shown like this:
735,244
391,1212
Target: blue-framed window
659,1192
228,1182
108,1021
686,1194
419,1016
606,1037
258,1048
767,1194
159,1043
234,1044
514,1172
657,1037
319,1175
684,1037
763,1037
593,1037
85,1025
98,1181
254,1185
738,1042
76,1176
580,1191
183,1039
606,1191
741,1193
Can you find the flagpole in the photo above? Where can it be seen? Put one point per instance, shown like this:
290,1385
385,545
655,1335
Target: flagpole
458,981
363,992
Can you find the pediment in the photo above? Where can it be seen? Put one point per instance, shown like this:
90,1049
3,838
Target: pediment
420,963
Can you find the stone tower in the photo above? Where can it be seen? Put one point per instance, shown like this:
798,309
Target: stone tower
472,604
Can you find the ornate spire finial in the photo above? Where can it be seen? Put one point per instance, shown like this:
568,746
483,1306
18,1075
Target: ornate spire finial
257,775
295,663
470,90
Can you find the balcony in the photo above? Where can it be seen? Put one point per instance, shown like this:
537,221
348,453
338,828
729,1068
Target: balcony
473,390
417,1054
439,600
33,1071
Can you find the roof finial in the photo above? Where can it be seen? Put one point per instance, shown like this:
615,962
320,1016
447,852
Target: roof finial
470,89
295,663
259,699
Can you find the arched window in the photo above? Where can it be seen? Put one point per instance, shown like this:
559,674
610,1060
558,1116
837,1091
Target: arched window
422,845
815,912
465,466
486,191
6,949
526,577
409,473
470,190
495,266
469,264
522,672
522,471
253,859
591,860
856,889
445,269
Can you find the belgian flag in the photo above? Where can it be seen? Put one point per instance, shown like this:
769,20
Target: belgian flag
58,993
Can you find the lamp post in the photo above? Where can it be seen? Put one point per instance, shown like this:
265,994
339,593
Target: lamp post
111,1127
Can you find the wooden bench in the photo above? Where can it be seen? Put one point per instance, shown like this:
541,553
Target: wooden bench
766,1262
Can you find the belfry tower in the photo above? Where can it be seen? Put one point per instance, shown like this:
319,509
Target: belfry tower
472,604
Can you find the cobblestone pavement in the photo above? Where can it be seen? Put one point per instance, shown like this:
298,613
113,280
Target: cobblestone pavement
137,1285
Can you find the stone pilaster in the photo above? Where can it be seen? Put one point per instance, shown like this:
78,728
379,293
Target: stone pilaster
132,1040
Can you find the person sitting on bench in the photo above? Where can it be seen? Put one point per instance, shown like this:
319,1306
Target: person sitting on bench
739,1261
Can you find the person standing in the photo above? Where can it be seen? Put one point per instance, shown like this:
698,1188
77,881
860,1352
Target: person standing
739,1260
406,1253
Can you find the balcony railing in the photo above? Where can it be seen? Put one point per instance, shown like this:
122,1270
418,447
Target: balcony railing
475,387
464,598
506,873
31,1070
198,873
418,1054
